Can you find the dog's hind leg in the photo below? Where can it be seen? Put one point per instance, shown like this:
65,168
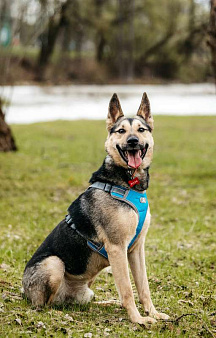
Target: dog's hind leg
42,281
77,289
84,295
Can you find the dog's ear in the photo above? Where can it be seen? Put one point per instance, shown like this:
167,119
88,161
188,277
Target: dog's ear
145,112
114,112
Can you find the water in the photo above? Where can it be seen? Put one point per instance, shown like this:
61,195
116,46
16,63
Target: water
33,103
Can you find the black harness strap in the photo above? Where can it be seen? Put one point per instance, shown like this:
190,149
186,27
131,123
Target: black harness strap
69,221
108,188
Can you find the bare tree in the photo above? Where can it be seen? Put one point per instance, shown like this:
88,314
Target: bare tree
212,35
126,39
100,31
49,37
7,142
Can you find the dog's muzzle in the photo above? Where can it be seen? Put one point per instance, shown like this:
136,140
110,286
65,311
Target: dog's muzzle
133,155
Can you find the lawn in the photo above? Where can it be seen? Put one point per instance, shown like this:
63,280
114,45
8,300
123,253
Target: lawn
52,167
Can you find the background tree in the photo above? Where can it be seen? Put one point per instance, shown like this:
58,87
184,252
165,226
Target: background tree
7,142
57,19
212,35
130,38
120,40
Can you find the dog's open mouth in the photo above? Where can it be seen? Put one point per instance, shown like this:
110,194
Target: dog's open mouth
133,157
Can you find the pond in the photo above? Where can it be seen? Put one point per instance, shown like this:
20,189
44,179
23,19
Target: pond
34,103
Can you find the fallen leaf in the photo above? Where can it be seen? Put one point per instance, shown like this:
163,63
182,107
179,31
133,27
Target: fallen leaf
88,335
18,321
41,325
108,302
4,266
106,332
99,288
69,318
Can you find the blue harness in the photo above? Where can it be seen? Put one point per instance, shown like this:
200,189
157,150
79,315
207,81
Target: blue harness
137,200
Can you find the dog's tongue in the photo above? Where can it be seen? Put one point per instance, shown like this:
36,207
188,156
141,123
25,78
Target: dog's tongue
134,159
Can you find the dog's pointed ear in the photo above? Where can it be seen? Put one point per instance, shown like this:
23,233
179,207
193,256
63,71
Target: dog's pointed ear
145,112
114,112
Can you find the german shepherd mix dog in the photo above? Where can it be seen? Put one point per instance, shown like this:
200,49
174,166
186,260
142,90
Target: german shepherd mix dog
106,225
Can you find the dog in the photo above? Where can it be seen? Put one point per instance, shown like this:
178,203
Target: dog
104,225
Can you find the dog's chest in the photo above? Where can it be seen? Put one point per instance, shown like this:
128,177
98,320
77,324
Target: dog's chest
122,213
127,223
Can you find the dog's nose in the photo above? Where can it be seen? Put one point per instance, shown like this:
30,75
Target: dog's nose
132,141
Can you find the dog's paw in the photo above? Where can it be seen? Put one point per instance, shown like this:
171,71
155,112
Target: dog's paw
146,321
160,315
84,296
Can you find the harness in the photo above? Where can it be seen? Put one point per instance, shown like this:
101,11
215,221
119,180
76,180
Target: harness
136,200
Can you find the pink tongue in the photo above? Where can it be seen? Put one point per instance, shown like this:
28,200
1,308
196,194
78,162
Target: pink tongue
134,160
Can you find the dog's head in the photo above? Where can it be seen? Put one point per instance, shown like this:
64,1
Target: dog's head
130,142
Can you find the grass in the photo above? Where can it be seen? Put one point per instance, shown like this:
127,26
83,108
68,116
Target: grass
52,167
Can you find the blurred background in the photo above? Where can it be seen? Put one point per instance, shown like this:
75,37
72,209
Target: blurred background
63,59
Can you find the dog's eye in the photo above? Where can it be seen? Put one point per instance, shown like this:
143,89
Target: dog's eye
141,130
121,131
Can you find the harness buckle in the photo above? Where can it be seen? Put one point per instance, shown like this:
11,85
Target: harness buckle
107,187
68,219
73,227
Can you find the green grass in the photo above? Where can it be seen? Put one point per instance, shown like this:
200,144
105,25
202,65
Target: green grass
52,167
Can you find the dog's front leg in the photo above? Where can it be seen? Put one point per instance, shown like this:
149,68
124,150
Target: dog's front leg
118,261
138,268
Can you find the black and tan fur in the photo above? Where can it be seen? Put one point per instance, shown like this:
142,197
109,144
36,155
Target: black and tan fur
64,267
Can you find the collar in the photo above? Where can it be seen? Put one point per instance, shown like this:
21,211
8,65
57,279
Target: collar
114,189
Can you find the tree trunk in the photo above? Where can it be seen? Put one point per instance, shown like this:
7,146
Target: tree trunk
120,58
126,39
130,70
212,36
100,32
48,40
7,142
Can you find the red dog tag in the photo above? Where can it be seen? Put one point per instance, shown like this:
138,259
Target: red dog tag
133,182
